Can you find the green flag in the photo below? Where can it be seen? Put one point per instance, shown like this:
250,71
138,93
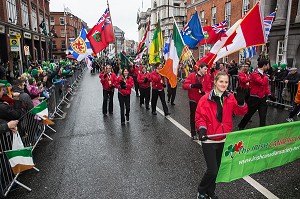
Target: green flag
123,60
43,26
156,45
254,150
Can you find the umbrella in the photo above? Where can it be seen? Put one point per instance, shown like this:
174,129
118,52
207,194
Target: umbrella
70,56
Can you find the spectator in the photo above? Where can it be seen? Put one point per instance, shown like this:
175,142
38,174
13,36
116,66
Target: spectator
6,126
291,80
18,86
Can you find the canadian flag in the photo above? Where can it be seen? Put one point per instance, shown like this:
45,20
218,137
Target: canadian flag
248,31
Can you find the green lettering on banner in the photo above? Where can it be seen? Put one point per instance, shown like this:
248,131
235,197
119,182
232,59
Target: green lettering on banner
254,150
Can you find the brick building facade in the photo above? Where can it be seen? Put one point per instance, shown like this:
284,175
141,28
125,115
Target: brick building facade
66,26
215,11
19,27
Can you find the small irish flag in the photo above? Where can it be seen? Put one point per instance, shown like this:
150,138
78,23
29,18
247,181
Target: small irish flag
41,110
20,159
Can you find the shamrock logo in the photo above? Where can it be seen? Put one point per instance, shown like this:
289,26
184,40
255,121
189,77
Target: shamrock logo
234,148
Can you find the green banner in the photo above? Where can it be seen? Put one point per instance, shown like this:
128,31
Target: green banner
254,150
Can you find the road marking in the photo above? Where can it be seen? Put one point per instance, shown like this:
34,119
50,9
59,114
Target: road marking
248,179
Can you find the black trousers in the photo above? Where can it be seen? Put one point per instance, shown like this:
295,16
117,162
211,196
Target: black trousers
254,104
212,155
108,96
193,107
145,96
124,102
161,94
295,110
136,85
171,93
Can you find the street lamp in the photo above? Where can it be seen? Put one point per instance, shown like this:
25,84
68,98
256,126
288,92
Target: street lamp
67,11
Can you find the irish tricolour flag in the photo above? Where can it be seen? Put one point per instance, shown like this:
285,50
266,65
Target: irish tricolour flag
20,159
41,110
175,51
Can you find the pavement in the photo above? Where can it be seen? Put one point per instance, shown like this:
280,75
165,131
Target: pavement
93,156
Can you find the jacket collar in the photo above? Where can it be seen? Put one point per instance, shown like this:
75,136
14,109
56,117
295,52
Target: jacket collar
212,94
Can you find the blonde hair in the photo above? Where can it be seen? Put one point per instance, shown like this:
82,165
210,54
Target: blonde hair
221,73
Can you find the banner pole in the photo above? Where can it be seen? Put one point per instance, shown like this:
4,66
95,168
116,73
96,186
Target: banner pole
115,42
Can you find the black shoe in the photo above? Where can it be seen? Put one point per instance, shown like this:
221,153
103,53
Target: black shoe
111,113
168,101
214,197
147,108
127,118
137,95
104,115
122,123
200,196
172,104
166,114
154,113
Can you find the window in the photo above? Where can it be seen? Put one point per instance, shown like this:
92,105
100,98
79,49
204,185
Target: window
213,15
225,59
61,20
246,7
241,57
54,44
52,21
201,51
11,11
33,18
228,12
202,20
25,18
62,33
63,44
280,48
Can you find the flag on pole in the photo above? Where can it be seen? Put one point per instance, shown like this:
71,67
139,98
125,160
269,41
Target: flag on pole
53,33
20,159
171,66
102,33
248,31
80,47
111,53
145,42
249,52
192,32
268,21
41,110
156,45
213,33
43,27
140,55
89,60
167,47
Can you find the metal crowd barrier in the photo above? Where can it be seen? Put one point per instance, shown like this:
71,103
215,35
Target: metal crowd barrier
32,129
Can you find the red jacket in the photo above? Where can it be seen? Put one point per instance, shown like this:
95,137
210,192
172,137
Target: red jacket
195,93
129,84
157,81
207,110
244,79
109,81
259,85
135,70
141,78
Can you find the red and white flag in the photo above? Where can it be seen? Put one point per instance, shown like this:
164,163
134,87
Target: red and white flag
248,31
145,42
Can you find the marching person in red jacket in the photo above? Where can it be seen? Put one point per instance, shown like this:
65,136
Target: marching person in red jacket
158,85
259,91
144,81
108,80
197,83
135,70
214,116
244,79
124,85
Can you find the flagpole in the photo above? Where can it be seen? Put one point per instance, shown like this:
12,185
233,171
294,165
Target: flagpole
115,42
